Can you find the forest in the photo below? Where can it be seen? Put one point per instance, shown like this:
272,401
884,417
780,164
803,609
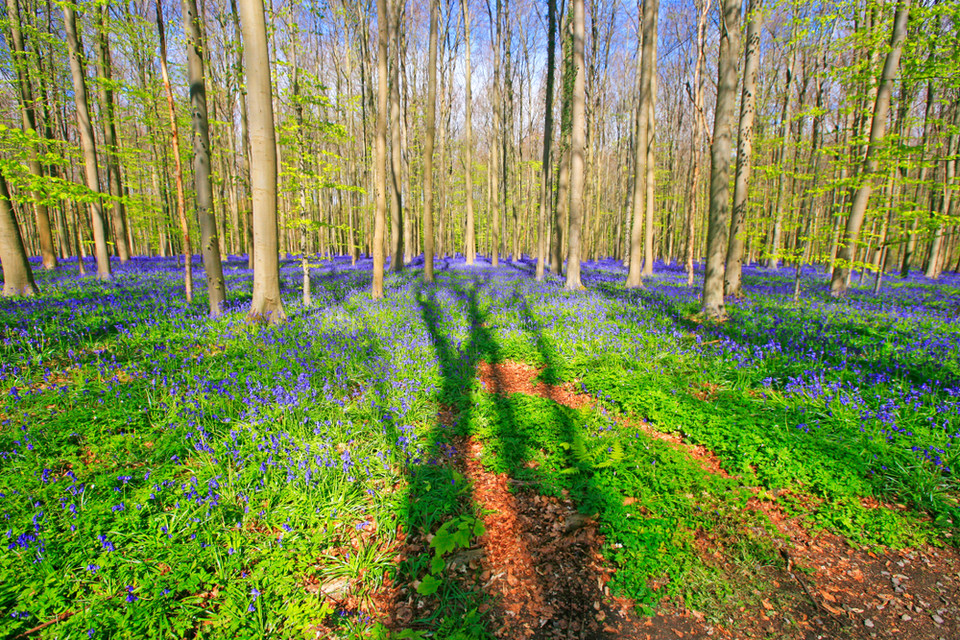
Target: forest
470,319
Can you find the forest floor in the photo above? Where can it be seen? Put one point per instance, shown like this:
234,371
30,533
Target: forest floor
485,457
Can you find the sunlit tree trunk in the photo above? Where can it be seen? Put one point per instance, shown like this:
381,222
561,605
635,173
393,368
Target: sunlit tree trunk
577,135
87,141
17,276
838,283
718,228
734,263
380,218
428,146
396,163
546,186
266,304
110,141
29,124
209,243
470,239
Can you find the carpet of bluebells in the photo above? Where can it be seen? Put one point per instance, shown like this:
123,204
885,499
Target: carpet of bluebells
167,475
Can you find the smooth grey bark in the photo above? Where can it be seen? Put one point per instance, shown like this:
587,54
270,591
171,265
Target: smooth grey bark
911,244
645,65
712,303
751,61
937,249
546,184
178,166
110,142
29,123
209,242
427,226
470,234
87,141
396,161
266,304
17,275
699,127
577,141
838,282
380,156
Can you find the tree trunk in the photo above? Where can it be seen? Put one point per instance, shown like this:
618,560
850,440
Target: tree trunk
379,221
648,98
17,276
751,60
428,146
693,200
470,240
546,185
110,141
576,148
29,123
87,141
209,243
720,160
838,283
178,168
396,164
266,304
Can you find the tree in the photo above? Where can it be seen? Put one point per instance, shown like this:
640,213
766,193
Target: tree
470,238
209,243
577,135
87,141
110,141
379,222
178,165
712,302
751,59
546,186
17,276
266,304
428,146
646,67
881,108
396,159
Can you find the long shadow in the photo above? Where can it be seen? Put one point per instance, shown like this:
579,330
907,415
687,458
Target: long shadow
496,422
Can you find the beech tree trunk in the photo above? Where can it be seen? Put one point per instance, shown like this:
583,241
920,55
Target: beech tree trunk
396,164
87,141
470,234
17,275
577,136
380,218
29,123
266,305
178,166
546,186
751,60
209,242
838,283
718,228
110,141
428,146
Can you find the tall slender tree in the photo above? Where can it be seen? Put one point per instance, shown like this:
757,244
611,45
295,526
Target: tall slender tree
209,242
546,184
427,226
266,304
470,238
28,116
17,275
712,302
87,141
748,99
870,167
577,141
380,217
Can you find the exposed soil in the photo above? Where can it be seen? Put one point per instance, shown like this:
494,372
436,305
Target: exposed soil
540,564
